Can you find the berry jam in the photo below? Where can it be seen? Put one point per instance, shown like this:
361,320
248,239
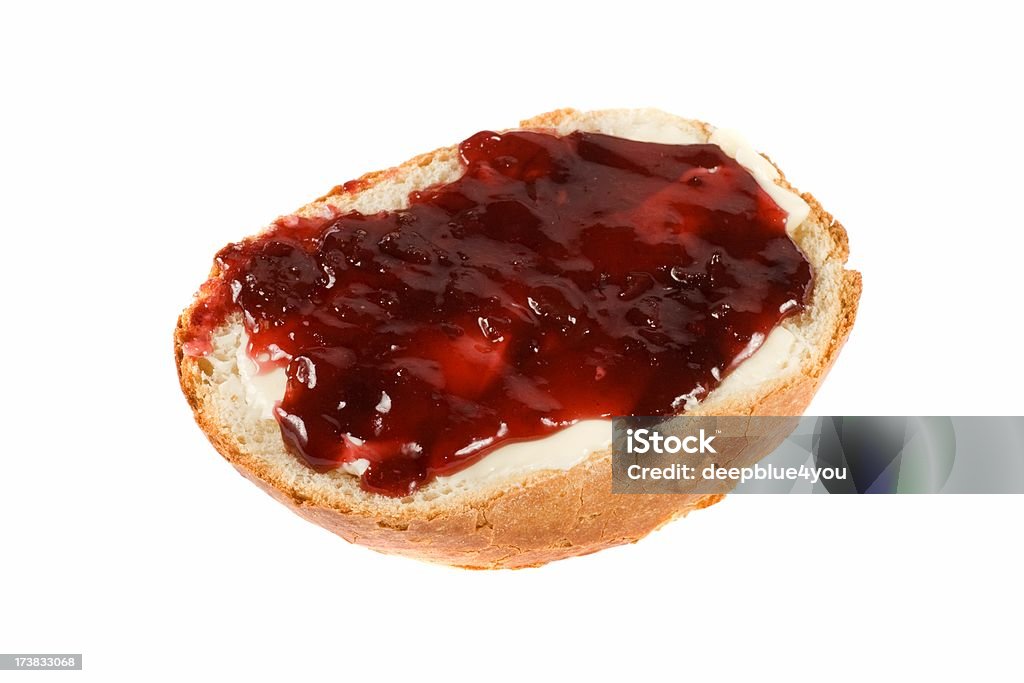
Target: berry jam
559,279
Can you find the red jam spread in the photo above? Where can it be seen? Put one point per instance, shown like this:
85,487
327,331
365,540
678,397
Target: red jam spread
560,278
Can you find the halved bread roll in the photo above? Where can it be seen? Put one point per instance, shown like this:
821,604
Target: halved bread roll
520,512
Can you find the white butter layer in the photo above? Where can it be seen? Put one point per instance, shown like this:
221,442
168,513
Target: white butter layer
733,144
572,445
559,451
262,390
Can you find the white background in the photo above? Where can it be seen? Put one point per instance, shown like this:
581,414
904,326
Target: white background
138,139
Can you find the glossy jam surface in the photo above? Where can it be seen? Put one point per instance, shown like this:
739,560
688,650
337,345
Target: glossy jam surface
560,279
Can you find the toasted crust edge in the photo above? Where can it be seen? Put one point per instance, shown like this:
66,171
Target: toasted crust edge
560,515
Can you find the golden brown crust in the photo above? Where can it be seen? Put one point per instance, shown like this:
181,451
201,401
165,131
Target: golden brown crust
558,515
376,177
531,526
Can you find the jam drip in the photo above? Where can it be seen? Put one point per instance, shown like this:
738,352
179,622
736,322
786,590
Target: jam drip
560,279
